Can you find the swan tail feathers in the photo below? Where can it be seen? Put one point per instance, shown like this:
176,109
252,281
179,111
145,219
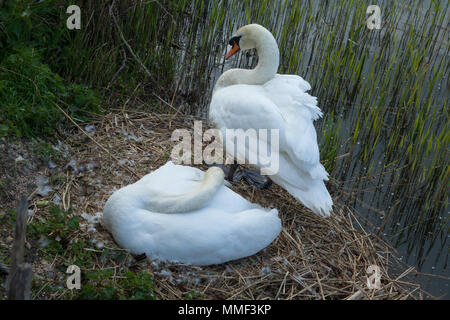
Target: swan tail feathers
316,198
319,172
304,99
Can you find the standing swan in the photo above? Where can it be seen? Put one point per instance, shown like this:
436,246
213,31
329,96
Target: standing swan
182,214
262,99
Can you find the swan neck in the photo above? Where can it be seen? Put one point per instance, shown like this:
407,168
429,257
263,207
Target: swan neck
268,62
191,200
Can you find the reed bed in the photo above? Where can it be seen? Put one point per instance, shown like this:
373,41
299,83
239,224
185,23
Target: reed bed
313,258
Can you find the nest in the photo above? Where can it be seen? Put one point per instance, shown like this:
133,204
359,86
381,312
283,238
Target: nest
312,258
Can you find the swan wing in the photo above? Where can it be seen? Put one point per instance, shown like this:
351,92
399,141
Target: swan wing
299,110
279,104
244,107
294,87
247,107
204,237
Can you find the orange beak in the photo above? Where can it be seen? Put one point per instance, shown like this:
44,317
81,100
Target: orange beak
232,51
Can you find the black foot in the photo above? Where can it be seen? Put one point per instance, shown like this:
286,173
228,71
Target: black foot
235,174
232,173
255,179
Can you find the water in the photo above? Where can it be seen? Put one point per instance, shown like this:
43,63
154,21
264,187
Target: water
384,137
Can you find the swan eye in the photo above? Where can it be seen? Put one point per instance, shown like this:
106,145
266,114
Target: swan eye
234,40
234,43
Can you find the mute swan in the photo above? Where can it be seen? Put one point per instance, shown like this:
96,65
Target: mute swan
262,99
182,214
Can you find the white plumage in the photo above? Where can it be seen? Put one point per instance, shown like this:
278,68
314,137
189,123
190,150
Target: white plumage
262,99
198,220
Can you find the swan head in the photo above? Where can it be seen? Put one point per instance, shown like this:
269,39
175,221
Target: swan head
251,36
214,173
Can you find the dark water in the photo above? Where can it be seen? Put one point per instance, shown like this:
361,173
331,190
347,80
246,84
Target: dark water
400,194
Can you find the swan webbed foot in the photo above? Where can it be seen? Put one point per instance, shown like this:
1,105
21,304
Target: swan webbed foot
254,178
235,174
232,173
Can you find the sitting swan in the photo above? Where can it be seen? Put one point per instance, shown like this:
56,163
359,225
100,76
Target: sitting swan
182,214
262,99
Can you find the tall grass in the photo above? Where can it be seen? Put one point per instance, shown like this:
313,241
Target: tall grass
102,58
28,85
42,62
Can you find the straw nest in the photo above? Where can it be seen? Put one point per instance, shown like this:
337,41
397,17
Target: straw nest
313,257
